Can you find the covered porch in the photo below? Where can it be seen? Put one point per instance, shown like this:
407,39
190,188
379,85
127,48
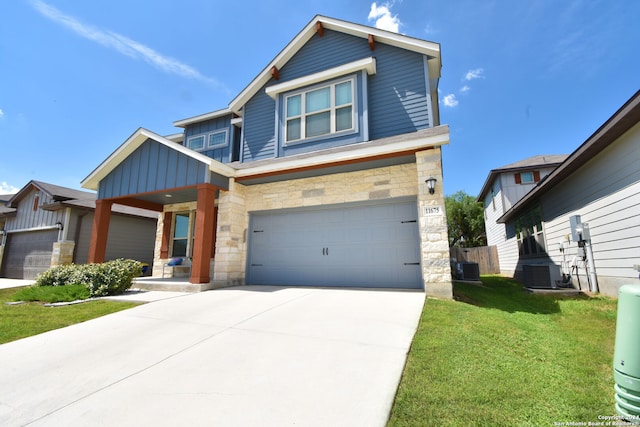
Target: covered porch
151,172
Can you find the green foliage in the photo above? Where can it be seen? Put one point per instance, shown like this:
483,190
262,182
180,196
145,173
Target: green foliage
465,220
108,278
500,356
52,293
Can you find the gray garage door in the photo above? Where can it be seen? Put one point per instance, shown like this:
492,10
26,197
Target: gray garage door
359,246
28,254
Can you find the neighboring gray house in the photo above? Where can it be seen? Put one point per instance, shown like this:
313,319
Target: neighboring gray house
600,183
44,225
326,170
503,188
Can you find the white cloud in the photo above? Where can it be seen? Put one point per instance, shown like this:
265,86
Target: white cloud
450,100
478,73
465,89
383,18
123,45
7,189
1,113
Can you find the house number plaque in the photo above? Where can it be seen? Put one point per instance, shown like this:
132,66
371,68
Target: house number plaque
434,210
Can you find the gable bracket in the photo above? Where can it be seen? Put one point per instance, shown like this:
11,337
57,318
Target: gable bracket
319,28
372,43
275,73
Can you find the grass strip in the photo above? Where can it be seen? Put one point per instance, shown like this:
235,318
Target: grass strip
502,356
32,318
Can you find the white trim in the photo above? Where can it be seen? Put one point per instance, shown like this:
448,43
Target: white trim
206,116
362,153
223,144
25,230
136,140
331,110
204,142
368,64
381,36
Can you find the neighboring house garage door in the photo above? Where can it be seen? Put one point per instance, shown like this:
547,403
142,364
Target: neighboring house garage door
373,245
27,254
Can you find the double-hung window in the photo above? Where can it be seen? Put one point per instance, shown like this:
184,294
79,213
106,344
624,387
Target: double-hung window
320,111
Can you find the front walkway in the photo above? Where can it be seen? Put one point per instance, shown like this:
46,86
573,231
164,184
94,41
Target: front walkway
241,356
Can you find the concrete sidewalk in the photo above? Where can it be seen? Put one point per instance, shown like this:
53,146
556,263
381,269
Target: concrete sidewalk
14,283
241,356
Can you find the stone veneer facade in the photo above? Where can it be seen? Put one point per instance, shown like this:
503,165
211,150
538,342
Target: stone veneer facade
402,180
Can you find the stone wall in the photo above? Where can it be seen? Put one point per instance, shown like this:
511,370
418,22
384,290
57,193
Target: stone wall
406,180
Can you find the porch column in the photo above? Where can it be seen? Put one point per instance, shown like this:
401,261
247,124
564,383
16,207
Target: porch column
165,239
100,231
205,225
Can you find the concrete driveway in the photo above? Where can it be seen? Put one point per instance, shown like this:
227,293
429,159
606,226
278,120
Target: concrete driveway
244,356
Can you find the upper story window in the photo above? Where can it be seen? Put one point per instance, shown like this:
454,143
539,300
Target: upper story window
208,141
527,177
320,111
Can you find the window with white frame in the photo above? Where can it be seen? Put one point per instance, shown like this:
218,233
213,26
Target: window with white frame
322,110
208,141
526,177
196,142
530,234
183,234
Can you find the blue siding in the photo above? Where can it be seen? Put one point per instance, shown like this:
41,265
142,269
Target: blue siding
152,167
222,154
398,98
397,94
259,128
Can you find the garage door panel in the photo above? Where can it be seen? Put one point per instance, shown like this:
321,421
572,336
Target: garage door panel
352,246
28,254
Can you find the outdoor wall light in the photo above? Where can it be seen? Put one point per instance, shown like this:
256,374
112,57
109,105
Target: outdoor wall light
2,232
60,226
431,184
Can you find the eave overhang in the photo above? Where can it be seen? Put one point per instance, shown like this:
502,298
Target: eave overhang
430,49
397,146
136,140
624,119
207,116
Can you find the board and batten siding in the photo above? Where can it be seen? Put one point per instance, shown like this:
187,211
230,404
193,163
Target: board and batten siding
221,154
152,167
398,94
26,217
605,192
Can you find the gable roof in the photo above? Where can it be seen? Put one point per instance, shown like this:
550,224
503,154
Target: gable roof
424,47
136,140
622,120
56,192
529,163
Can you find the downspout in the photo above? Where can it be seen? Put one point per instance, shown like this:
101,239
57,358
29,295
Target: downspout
593,278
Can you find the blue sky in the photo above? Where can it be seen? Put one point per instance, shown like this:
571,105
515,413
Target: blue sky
519,78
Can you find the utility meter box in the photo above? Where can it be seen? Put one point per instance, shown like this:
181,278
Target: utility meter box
626,355
576,227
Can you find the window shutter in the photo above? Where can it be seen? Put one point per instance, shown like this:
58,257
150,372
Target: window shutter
518,178
536,176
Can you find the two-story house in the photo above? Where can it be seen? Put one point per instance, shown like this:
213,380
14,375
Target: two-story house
325,170
502,189
586,211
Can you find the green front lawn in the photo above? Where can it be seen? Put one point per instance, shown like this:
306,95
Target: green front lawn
499,356
20,321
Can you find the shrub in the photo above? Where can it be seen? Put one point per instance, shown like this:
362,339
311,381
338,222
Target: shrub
108,278
65,293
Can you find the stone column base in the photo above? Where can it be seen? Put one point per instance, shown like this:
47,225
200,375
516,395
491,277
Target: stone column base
62,253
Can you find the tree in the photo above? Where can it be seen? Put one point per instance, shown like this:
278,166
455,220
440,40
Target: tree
465,219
